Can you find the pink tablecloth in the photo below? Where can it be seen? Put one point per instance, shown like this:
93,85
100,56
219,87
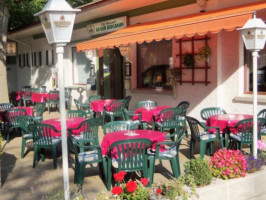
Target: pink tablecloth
225,120
97,105
39,97
147,114
70,123
110,138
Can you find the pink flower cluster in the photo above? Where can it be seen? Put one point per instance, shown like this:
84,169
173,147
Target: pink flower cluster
228,164
260,144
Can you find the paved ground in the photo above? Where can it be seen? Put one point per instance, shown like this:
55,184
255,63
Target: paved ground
21,181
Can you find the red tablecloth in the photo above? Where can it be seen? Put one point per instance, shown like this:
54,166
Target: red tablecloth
29,111
70,123
147,114
110,138
225,120
97,105
39,97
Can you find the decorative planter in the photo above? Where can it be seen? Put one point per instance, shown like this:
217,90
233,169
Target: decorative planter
246,188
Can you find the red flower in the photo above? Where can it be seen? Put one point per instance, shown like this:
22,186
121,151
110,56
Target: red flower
117,190
158,191
144,181
119,176
131,186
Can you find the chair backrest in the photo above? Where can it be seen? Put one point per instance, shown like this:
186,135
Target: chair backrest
119,126
53,95
127,101
41,134
116,106
90,129
195,127
146,104
169,117
245,129
38,109
5,106
131,154
76,113
23,123
210,111
94,97
183,105
43,88
12,115
262,113
36,89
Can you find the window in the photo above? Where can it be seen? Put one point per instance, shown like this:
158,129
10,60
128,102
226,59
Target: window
153,64
81,67
261,74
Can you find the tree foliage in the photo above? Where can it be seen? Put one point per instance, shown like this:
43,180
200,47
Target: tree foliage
21,12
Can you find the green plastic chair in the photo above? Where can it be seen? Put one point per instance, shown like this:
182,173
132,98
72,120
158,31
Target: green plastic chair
91,154
244,133
53,100
114,110
127,101
89,130
168,119
146,104
203,137
11,117
26,97
210,111
38,110
23,122
128,159
183,105
120,126
262,114
76,113
42,139
82,106
171,153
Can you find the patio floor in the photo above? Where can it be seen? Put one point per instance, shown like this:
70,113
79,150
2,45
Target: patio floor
21,181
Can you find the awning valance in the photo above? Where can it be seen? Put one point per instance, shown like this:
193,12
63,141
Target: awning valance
187,26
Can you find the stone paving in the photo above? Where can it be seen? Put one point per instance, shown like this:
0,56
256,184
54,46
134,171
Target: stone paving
21,181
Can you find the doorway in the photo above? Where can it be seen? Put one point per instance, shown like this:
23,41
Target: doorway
111,74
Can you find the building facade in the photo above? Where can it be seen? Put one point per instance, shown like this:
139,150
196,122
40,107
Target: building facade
167,51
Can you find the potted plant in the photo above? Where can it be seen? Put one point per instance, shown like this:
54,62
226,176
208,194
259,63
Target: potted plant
189,60
204,52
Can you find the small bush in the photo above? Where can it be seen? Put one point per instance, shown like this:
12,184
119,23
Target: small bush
227,164
200,170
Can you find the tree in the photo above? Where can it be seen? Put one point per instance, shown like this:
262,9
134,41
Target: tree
15,14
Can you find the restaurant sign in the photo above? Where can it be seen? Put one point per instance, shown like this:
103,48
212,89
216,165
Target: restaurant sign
107,26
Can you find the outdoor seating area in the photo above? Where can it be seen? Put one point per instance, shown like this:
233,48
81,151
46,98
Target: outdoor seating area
108,141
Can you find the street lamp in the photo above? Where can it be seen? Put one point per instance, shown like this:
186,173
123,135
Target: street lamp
254,36
57,20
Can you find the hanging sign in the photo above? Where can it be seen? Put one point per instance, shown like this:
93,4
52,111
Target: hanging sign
11,49
107,26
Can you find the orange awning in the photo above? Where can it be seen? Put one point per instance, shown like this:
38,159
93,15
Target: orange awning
198,24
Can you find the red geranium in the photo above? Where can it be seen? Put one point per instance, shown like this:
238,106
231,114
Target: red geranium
131,186
158,191
144,181
119,176
117,190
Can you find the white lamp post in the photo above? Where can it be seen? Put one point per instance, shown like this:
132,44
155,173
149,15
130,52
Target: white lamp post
57,20
254,36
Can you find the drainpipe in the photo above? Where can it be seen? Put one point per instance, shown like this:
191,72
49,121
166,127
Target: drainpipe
30,60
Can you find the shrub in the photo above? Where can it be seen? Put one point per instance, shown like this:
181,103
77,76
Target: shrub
200,170
182,188
227,164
